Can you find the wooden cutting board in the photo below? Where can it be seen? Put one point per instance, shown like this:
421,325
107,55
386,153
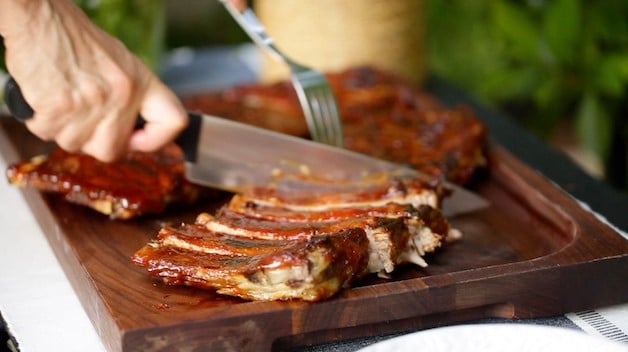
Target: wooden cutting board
534,252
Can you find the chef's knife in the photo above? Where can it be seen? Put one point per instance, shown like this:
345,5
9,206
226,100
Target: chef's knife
234,156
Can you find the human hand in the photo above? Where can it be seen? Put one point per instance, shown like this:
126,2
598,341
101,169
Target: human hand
85,87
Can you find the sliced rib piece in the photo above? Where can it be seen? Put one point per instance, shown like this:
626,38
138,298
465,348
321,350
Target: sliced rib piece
138,184
261,246
408,200
398,233
309,269
387,236
197,238
310,195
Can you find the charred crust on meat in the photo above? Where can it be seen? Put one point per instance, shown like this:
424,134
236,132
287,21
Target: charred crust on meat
137,184
311,256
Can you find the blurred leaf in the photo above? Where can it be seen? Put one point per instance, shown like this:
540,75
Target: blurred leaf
608,21
518,29
138,24
549,92
511,83
562,23
464,52
542,61
594,126
611,75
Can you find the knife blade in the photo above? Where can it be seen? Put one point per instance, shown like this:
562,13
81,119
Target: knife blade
234,156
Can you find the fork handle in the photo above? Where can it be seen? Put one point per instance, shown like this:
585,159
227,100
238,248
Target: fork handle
249,22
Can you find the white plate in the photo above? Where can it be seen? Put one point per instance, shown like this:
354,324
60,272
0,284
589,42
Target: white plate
497,337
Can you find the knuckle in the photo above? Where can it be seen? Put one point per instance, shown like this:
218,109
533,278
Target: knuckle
102,154
93,93
62,103
122,85
41,129
106,157
68,144
103,148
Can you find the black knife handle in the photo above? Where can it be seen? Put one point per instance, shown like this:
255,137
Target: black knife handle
21,110
15,101
189,138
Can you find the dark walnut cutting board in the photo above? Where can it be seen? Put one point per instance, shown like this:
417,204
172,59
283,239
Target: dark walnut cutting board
534,252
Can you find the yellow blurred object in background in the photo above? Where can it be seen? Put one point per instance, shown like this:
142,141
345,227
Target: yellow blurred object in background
332,35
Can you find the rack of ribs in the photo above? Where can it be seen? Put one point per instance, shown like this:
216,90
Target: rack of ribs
310,268
390,224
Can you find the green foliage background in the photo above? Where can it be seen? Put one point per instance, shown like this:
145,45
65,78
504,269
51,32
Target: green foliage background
543,62
140,24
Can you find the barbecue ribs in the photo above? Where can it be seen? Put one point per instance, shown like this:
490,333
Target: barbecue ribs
138,184
309,269
389,222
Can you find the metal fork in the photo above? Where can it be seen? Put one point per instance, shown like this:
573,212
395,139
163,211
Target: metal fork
314,92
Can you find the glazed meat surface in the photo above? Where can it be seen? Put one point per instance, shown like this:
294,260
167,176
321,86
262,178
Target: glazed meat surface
408,201
387,236
309,195
308,269
138,184
383,116
395,226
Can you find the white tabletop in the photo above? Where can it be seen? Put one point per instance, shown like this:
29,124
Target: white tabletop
41,309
